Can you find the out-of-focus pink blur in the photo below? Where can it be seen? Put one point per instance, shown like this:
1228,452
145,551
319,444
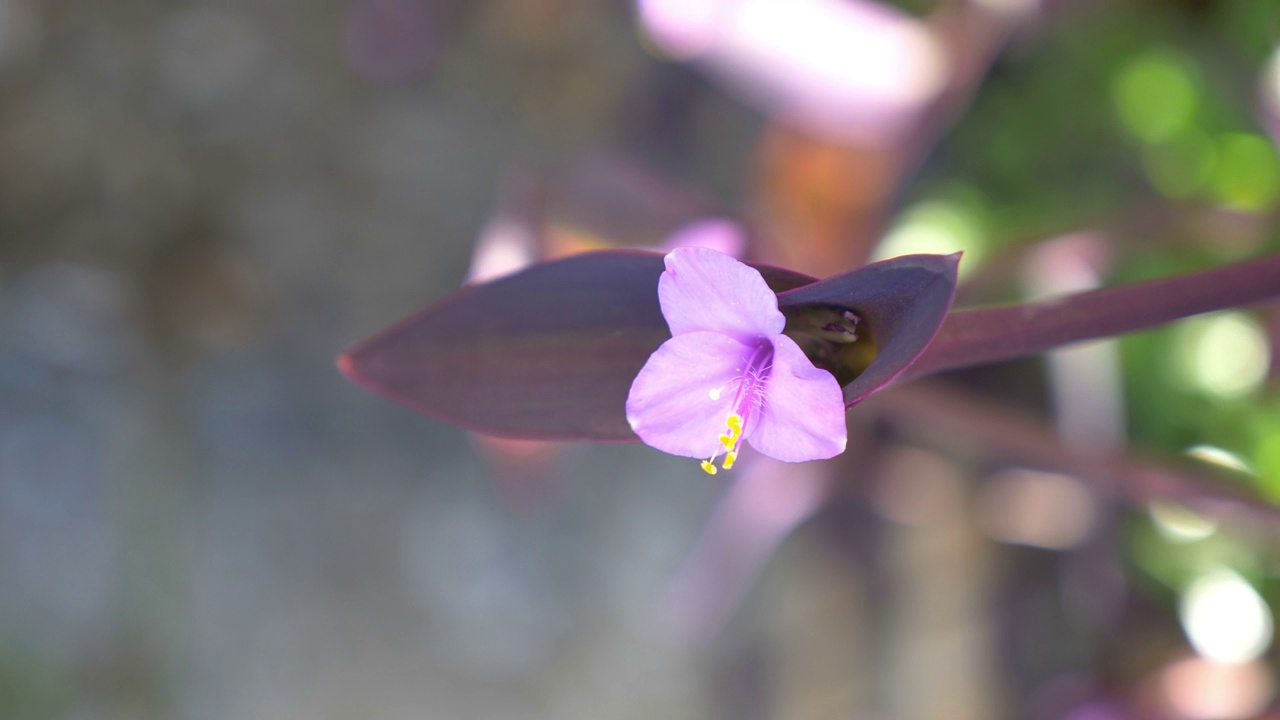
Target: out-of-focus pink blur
845,69
1269,95
759,509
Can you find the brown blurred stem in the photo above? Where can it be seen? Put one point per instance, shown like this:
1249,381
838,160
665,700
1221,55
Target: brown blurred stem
939,409
985,335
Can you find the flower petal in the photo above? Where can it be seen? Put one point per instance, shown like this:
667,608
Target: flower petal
803,416
680,400
702,289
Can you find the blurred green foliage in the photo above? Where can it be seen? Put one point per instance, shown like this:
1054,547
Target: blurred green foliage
1099,111
1090,118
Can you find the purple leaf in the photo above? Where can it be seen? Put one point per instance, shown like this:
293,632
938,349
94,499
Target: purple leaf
902,303
551,352
547,353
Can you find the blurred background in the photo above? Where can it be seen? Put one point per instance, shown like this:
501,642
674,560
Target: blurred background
202,203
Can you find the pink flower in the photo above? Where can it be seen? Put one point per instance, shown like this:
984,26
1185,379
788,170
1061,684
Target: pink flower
729,374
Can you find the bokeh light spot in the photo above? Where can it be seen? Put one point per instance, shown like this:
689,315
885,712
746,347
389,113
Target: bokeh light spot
1247,175
1223,354
681,29
1266,457
919,488
937,226
1271,77
1155,95
503,247
1040,509
1224,617
1178,524
1199,689
1269,92
1218,456
847,70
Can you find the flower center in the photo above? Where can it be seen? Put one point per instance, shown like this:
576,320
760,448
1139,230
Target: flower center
749,396
834,338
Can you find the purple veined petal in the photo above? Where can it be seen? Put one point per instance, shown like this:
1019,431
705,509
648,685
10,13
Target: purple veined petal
680,400
903,301
803,415
702,289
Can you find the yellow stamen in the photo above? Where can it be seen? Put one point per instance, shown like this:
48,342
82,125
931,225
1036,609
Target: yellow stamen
730,442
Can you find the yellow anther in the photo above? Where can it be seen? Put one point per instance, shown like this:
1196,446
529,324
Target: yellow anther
729,441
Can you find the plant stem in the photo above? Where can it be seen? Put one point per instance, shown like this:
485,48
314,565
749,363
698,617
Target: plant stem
1010,435
984,335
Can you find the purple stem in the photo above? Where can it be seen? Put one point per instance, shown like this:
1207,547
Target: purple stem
984,335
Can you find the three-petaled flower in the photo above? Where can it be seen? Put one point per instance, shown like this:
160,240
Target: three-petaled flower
729,374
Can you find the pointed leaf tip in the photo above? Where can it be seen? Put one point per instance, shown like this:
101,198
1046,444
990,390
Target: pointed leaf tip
902,301
346,366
